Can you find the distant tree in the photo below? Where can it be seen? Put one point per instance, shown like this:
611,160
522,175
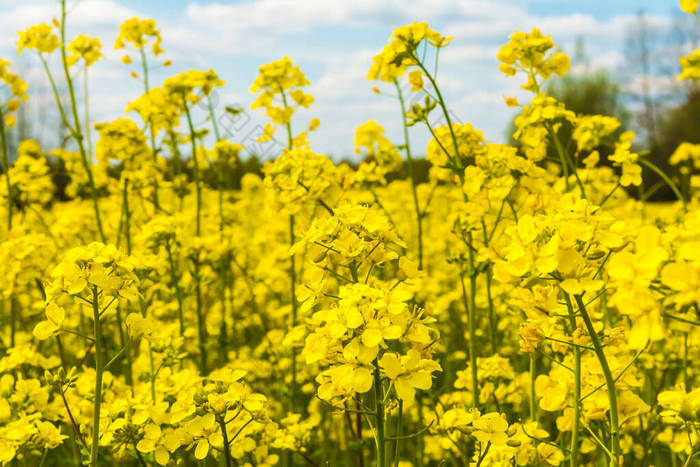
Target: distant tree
591,93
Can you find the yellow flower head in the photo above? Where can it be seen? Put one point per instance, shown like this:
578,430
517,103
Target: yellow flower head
399,54
138,32
530,53
85,47
38,37
17,86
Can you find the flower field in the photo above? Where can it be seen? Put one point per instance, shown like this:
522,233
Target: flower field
526,305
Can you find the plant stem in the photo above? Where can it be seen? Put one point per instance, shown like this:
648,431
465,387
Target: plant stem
178,290
609,382
577,387
668,181
472,324
533,374
98,378
150,357
411,175
459,168
201,325
86,109
293,280
6,170
397,450
227,447
685,360
492,317
146,86
224,268
379,416
195,164
77,135
127,216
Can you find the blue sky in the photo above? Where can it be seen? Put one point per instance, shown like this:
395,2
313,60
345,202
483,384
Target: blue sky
334,43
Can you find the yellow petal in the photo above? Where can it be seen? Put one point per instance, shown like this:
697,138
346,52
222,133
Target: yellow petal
202,449
44,330
571,286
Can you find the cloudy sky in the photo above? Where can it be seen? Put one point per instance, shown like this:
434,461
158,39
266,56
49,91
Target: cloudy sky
333,42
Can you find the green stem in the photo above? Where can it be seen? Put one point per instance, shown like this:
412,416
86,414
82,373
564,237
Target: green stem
123,342
472,341
293,280
533,374
397,450
565,161
443,106
577,387
98,378
215,125
472,321
201,325
685,360
174,277
665,178
77,134
150,357
13,321
127,216
177,162
195,164
609,382
379,417
86,109
492,316
288,125
472,260
6,170
227,447
146,86
411,174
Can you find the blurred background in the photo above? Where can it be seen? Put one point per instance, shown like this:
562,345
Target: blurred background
624,63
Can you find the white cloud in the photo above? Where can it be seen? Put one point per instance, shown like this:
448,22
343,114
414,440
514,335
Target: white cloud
234,38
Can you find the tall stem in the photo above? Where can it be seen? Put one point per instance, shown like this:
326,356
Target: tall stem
127,215
201,325
195,165
147,88
175,281
577,387
77,134
472,322
98,377
379,417
411,174
6,170
227,447
150,357
609,382
472,259
533,374
86,109
293,280
224,268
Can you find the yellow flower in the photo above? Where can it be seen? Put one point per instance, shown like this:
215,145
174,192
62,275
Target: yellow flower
85,47
689,6
491,428
138,32
49,328
408,373
415,77
38,37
